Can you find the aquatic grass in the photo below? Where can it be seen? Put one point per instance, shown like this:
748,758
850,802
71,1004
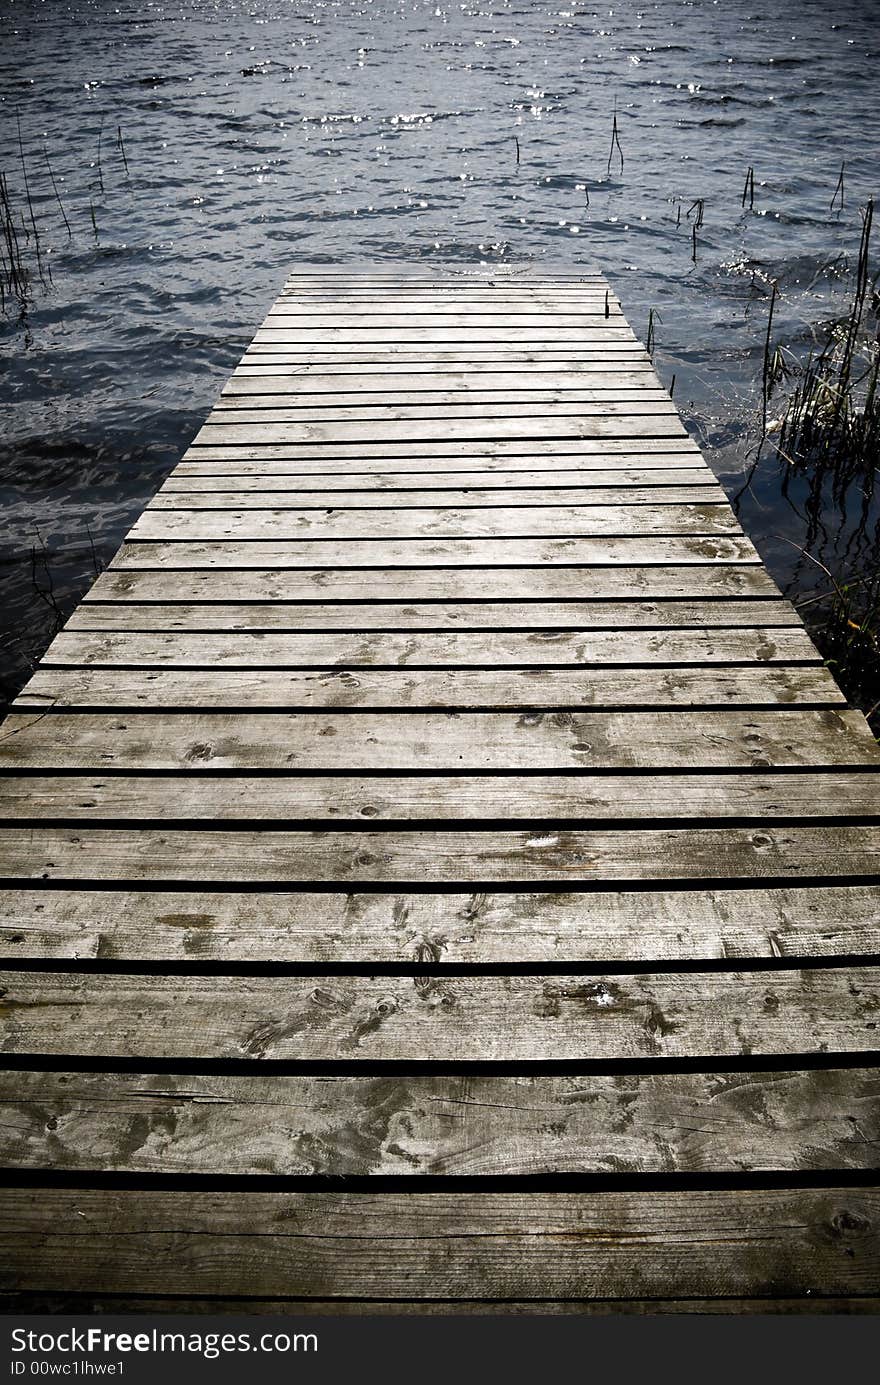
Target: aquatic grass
29,201
650,339
832,418
15,276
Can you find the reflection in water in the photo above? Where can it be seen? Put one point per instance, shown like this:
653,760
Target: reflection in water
177,159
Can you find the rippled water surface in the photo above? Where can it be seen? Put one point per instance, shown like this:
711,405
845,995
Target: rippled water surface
200,151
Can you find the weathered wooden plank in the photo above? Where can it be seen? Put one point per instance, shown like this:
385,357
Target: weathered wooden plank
441,1019
394,486
495,522
744,685
705,491
446,857
634,415
595,383
372,454
439,303
440,1126
427,649
356,800
413,1246
409,355
481,553
377,329
630,425
345,926
267,404
438,741
587,469
439,615
293,301
522,366
649,583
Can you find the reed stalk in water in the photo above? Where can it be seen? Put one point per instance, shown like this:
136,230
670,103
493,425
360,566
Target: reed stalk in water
56,192
749,189
839,191
615,144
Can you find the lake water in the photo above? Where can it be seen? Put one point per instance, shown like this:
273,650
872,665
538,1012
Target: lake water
200,151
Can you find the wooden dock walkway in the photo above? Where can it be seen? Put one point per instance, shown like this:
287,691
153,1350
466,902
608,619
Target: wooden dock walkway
439,872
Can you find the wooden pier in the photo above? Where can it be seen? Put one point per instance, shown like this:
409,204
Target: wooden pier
439,874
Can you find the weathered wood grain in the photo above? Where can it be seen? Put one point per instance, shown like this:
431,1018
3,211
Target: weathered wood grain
365,799
596,382
404,324
442,1126
259,418
557,424
367,453
527,522
439,615
757,685
230,498
377,332
523,365
398,484
503,355
437,741
542,855
346,926
598,393
426,649
650,583
413,1246
647,1017
649,550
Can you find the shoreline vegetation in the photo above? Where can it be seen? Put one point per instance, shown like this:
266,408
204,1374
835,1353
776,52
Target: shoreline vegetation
829,433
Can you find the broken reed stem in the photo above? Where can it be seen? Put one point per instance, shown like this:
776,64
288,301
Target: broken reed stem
749,189
840,190
56,192
653,317
698,207
120,144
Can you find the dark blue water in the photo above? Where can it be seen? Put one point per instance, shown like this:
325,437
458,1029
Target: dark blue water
202,150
